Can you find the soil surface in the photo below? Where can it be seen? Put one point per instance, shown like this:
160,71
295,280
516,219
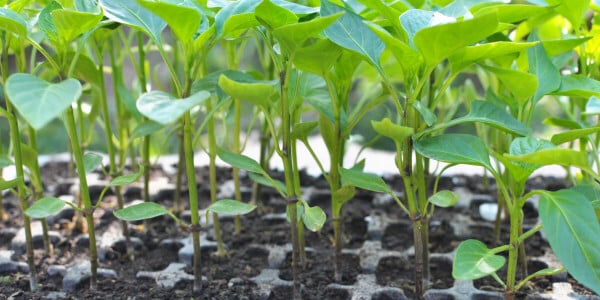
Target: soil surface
250,253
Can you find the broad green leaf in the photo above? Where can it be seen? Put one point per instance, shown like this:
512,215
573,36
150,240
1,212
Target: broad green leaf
91,161
439,42
522,85
520,171
409,59
455,148
573,232
350,32
45,22
70,23
317,58
414,20
257,93
578,86
468,55
547,73
592,106
343,195
274,16
163,108
39,101
276,184
428,116
314,218
512,13
183,20
301,131
228,207
554,156
131,13
490,114
141,211
396,132
45,207
528,145
12,22
236,16
572,135
444,198
364,180
292,36
300,10
555,47
145,129
473,260
573,10
240,161
210,82
127,179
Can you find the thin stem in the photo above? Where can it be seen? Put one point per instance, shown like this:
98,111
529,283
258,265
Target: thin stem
212,154
193,198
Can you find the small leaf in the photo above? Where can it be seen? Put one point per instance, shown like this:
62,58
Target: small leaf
522,85
228,207
236,16
396,132
343,195
292,37
571,135
131,13
455,148
274,16
314,218
464,57
141,211
12,22
70,24
39,101
45,207
164,108
257,93
425,113
488,113
541,65
444,198
578,86
240,161
573,10
556,47
573,231
127,179
317,58
276,184
364,180
183,20
554,156
301,131
146,128
91,161
473,260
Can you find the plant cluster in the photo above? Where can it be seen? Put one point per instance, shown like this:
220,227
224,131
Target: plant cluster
307,66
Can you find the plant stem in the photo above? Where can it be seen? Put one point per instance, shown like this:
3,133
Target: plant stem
146,143
180,170
513,251
212,154
84,193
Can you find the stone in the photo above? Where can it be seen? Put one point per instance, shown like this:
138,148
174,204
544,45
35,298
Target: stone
169,277
7,265
81,271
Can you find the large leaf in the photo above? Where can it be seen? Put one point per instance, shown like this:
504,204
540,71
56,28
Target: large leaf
183,20
228,207
317,58
39,101
12,22
409,59
470,54
511,13
350,32
257,93
439,42
473,260
573,10
554,156
555,47
488,113
240,161
131,13
163,108
45,207
573,232
292,36
364,180
236,16
141,211
547,73
70,23
571,135
578,86
522,85
274,16
455,148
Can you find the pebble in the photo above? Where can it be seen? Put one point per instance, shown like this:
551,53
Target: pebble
168,277
81,271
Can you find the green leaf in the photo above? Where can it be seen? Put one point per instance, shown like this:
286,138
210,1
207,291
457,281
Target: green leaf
292,37
488,113
131,13
343,195
141,211
409,59
566,123
455,148
473,260
273,183
274,16
314,218
350,32
12,22
554,156
395,132
257,93
555,47
444,198
145,129
45,207
183,20
512,13
425,113
317,58
236,16
228,207
70,24
468,55
547,73
301,131
522,85
573,10
364,180
91,161
39,101
163,108
436,43
573,232
240,161
572,135
127,179
45,22
578,86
